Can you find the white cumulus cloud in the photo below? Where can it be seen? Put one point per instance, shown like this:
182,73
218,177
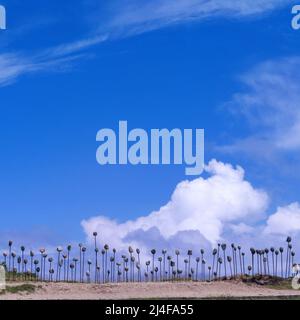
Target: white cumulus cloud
198,210
285,221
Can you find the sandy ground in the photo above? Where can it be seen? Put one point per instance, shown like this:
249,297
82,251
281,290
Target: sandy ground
64,291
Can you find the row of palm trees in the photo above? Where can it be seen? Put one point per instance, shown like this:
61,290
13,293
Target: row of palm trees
105,265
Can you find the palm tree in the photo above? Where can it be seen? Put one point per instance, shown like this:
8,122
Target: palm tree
169,258
215,251
36,262
252,250
132,260
69,247
177,253
164,262
31,254
59,251
276,254
160,271
220,261
25,261
65,262
258,262
153,252
209,273
88,273
83,253
138,252
114,264
203,266
281,260
13,255
243,259
50,260
289,259
106,248
224,254
22,253
72,272
19,261
240,257
273,264
288,240
267,257
80,262
189,253
103,265
197,267
44,265
96,265
9,254
229,262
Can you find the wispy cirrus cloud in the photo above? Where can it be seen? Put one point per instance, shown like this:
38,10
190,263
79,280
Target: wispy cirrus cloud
270,104
134,17
128,18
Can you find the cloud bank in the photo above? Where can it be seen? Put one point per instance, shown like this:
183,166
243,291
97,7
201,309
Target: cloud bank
197,212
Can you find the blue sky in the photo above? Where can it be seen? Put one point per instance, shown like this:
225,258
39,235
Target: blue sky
68,70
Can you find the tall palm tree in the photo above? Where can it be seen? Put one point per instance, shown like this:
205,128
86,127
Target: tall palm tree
5,258
80,262
65,267
164,252
289,259
281,260
59,251
273,263
132,267
114,264
36,262
220,261
50,260
224,255
44,264
13,255
177,253
267,257
69,248
89,262
189,253
203,266
197,267
138,252
22,253
243,261
252,250
276,264
169,258
83,249
31,254
229,259
9,254
19,261
153,252
288,240
209,273
96,265
160,270
103,266
106,248
214,253
72,266
240,258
